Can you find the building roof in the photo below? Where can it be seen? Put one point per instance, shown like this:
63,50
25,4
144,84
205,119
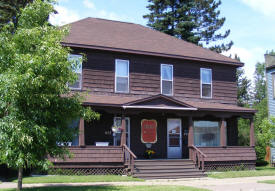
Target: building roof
133,101
134,38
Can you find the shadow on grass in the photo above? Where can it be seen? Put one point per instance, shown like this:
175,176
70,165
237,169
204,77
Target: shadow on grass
72,188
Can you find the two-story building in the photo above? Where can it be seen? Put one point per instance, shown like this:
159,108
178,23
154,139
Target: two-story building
270,81
154,93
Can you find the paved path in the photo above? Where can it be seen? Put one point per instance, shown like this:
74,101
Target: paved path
229,184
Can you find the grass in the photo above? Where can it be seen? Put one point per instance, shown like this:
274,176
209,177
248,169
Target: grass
260,171
267,181
112,188
77,179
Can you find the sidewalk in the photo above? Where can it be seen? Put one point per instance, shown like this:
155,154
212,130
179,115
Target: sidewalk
230,184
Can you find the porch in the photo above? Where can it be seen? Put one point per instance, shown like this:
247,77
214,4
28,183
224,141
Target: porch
206,136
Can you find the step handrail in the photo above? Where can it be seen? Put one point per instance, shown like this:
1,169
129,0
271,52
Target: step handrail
197,156
129,158
197,149
127,148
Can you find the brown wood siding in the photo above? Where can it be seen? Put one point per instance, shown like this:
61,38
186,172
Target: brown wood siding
229,153
93,154
99,75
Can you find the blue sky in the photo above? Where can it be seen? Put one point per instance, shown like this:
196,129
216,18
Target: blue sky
252,22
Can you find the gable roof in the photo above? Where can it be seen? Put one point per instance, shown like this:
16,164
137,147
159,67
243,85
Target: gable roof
134,38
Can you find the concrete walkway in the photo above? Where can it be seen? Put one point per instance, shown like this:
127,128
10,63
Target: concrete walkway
229,184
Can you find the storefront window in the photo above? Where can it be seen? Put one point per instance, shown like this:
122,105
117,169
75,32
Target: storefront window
206,133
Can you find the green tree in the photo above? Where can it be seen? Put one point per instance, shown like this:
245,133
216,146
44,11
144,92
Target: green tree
265,136
36,104
243,85
196,21
260,83
9,10
260,104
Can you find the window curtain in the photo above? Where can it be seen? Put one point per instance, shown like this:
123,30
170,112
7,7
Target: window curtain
166,72
206,133
206,76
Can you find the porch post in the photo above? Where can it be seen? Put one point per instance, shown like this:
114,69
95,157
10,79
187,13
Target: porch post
223,133
252,136
190,136
81,133
123,133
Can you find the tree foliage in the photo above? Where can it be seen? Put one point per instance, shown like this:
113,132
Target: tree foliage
265,135
9,11
260,83
36,104
243,86
196,21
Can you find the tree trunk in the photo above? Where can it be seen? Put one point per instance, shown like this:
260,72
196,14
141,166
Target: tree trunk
20,176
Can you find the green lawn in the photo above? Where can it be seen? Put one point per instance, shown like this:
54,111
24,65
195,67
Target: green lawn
260,171
268,181
112,188
77,179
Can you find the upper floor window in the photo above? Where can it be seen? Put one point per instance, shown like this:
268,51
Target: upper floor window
167,79
206,83
122,76
76,61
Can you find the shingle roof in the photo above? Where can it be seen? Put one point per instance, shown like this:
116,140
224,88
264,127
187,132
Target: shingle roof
134,38
120,101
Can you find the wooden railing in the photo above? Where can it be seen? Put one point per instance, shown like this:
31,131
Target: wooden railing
129,158
197,156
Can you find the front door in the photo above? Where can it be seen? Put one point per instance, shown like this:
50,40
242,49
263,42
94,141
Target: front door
174,138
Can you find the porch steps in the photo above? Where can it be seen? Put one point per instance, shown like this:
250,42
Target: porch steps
166,169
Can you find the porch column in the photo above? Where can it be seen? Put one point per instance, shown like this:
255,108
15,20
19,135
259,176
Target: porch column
123,133
81,133
190,136
223,133
252,136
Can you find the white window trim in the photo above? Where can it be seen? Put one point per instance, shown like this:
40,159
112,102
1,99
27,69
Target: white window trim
129,130
80,81
206,83
167,80
116,91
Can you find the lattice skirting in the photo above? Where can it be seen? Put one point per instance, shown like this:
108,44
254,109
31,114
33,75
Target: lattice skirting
87,171
229,165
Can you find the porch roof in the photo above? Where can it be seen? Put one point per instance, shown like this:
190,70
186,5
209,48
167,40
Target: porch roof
160,102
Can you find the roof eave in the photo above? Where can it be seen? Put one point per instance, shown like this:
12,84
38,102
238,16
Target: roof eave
237,64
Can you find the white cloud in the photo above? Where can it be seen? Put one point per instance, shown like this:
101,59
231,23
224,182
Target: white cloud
89,4
249,57
64,16
111,15
264,6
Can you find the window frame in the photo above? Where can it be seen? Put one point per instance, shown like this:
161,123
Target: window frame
128,77
170,65
218,134
80,80
211,94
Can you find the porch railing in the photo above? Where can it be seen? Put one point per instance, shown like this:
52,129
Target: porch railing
129,158
197,156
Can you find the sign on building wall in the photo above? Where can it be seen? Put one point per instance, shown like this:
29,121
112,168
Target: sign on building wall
148,131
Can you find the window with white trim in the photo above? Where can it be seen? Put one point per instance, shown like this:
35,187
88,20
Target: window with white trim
206,83
166,79
122,76
76,61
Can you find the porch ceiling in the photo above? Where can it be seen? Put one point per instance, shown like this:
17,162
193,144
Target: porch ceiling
161,102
